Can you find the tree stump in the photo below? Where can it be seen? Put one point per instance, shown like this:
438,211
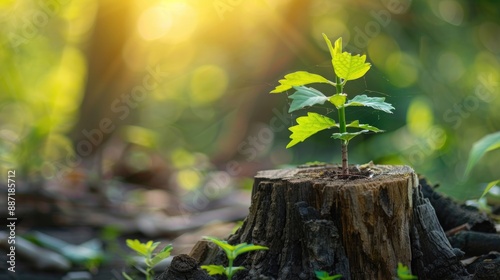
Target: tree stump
359,226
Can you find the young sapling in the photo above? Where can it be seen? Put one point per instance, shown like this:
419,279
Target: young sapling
231,252
347,67
146,250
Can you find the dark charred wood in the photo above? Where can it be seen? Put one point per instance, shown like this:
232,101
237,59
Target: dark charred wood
451,215
476,243
432,255
486,267
184,267
359,226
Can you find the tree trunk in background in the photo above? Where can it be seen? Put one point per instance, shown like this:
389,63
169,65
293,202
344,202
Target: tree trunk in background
288,32
102,109
362,227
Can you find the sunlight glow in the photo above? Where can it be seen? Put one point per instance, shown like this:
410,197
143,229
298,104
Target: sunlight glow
173,21
419,116
154,23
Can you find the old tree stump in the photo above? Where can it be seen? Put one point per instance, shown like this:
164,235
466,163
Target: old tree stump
359,226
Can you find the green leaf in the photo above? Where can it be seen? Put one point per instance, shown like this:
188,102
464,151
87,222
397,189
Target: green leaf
338,100
404,273
323,275
140,248
126,276
306,96
488,143
489,187
169,248
299,78
356,124
376,103
347,136
229,249
161,256
350,67
214,269
243,248
338,45
152,246
234,270
307,126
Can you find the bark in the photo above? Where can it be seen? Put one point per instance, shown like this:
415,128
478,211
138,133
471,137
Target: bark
184,267
359,226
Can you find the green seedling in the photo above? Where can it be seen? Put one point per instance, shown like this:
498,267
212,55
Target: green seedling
323,275
486,144
404,273
231,252
347,67
146,250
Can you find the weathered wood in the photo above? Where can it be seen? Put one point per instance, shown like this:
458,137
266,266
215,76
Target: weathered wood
359,226
476,243
486,267
433,256
184,267
451,215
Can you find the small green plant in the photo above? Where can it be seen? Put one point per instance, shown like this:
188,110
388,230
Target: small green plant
347,67
486,144
231,252
146,250
323,275
404,273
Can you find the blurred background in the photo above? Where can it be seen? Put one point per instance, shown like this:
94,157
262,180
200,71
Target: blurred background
169,90
107,89
167,104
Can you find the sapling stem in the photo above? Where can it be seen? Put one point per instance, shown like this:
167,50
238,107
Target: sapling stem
347,67
230,272
342,127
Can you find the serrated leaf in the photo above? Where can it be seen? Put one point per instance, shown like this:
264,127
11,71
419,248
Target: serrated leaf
488,143
338,100
305,96
376,103
404,273
347,136
307,126
350,67
338,45
299,78
356,124
214,269
137,246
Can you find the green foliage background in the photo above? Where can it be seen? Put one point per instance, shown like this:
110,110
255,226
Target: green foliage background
437,62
